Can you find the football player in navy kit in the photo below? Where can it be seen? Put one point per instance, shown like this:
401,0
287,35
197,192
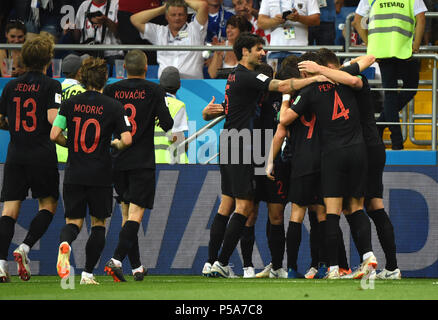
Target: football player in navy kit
134,167
91,119
28,107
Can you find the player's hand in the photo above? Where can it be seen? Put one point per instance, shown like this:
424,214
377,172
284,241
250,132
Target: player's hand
309,66
213,110
270,171
114,143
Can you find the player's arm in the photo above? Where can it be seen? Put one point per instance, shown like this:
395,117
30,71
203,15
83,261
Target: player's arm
140,19
59,125
165,120
287,115
277,142
51,115
212,110
364,61
335,75
294,84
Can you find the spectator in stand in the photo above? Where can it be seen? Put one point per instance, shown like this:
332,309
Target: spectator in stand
178,32
127,32
324,34
432,6
288,22
223,62
343,9
96,23
339,4
245,8
41,16
217,20
15,34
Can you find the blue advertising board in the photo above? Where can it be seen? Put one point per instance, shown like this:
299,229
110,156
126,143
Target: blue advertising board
174,236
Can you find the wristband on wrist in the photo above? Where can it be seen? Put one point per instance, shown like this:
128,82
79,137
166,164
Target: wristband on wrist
286,97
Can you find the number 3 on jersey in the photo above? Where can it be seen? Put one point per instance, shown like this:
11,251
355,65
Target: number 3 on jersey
131,117
338,105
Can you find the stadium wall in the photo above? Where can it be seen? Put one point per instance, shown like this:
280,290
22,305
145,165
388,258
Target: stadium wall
174,235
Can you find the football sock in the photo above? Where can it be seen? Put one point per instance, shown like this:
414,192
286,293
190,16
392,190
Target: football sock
38,227
360,227
217,232
127,237
277,244
293,241
268,233
231,237
246,245
94,247
322,252
134,254
342,254
332,238
7,228
314,242
385,233
69,233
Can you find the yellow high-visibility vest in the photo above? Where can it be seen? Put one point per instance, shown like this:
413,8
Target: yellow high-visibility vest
391,28
161,141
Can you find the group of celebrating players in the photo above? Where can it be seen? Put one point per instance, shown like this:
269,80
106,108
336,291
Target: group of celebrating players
332,161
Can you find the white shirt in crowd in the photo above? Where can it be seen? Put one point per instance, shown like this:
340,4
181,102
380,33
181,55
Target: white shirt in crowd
291,33
189,63
88,32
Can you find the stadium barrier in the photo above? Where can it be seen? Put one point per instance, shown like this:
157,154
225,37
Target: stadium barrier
174,236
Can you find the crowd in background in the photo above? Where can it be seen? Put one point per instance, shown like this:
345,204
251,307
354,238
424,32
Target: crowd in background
317,22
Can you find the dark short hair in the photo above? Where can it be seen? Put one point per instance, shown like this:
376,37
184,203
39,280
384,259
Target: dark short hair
327,56
246,40
15,24
266,69
135,62
240,22
289,68
311,56
37,52
93,73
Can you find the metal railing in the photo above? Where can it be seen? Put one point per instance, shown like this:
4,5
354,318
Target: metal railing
433,117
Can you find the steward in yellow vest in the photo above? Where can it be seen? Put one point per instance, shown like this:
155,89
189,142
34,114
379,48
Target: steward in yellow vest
395,31
70,87
165,146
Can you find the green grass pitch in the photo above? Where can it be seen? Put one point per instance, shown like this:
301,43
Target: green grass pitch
200,288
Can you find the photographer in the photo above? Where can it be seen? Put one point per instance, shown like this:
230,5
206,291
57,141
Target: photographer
96,23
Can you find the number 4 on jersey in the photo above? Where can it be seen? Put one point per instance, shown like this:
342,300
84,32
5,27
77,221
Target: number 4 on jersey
339,106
